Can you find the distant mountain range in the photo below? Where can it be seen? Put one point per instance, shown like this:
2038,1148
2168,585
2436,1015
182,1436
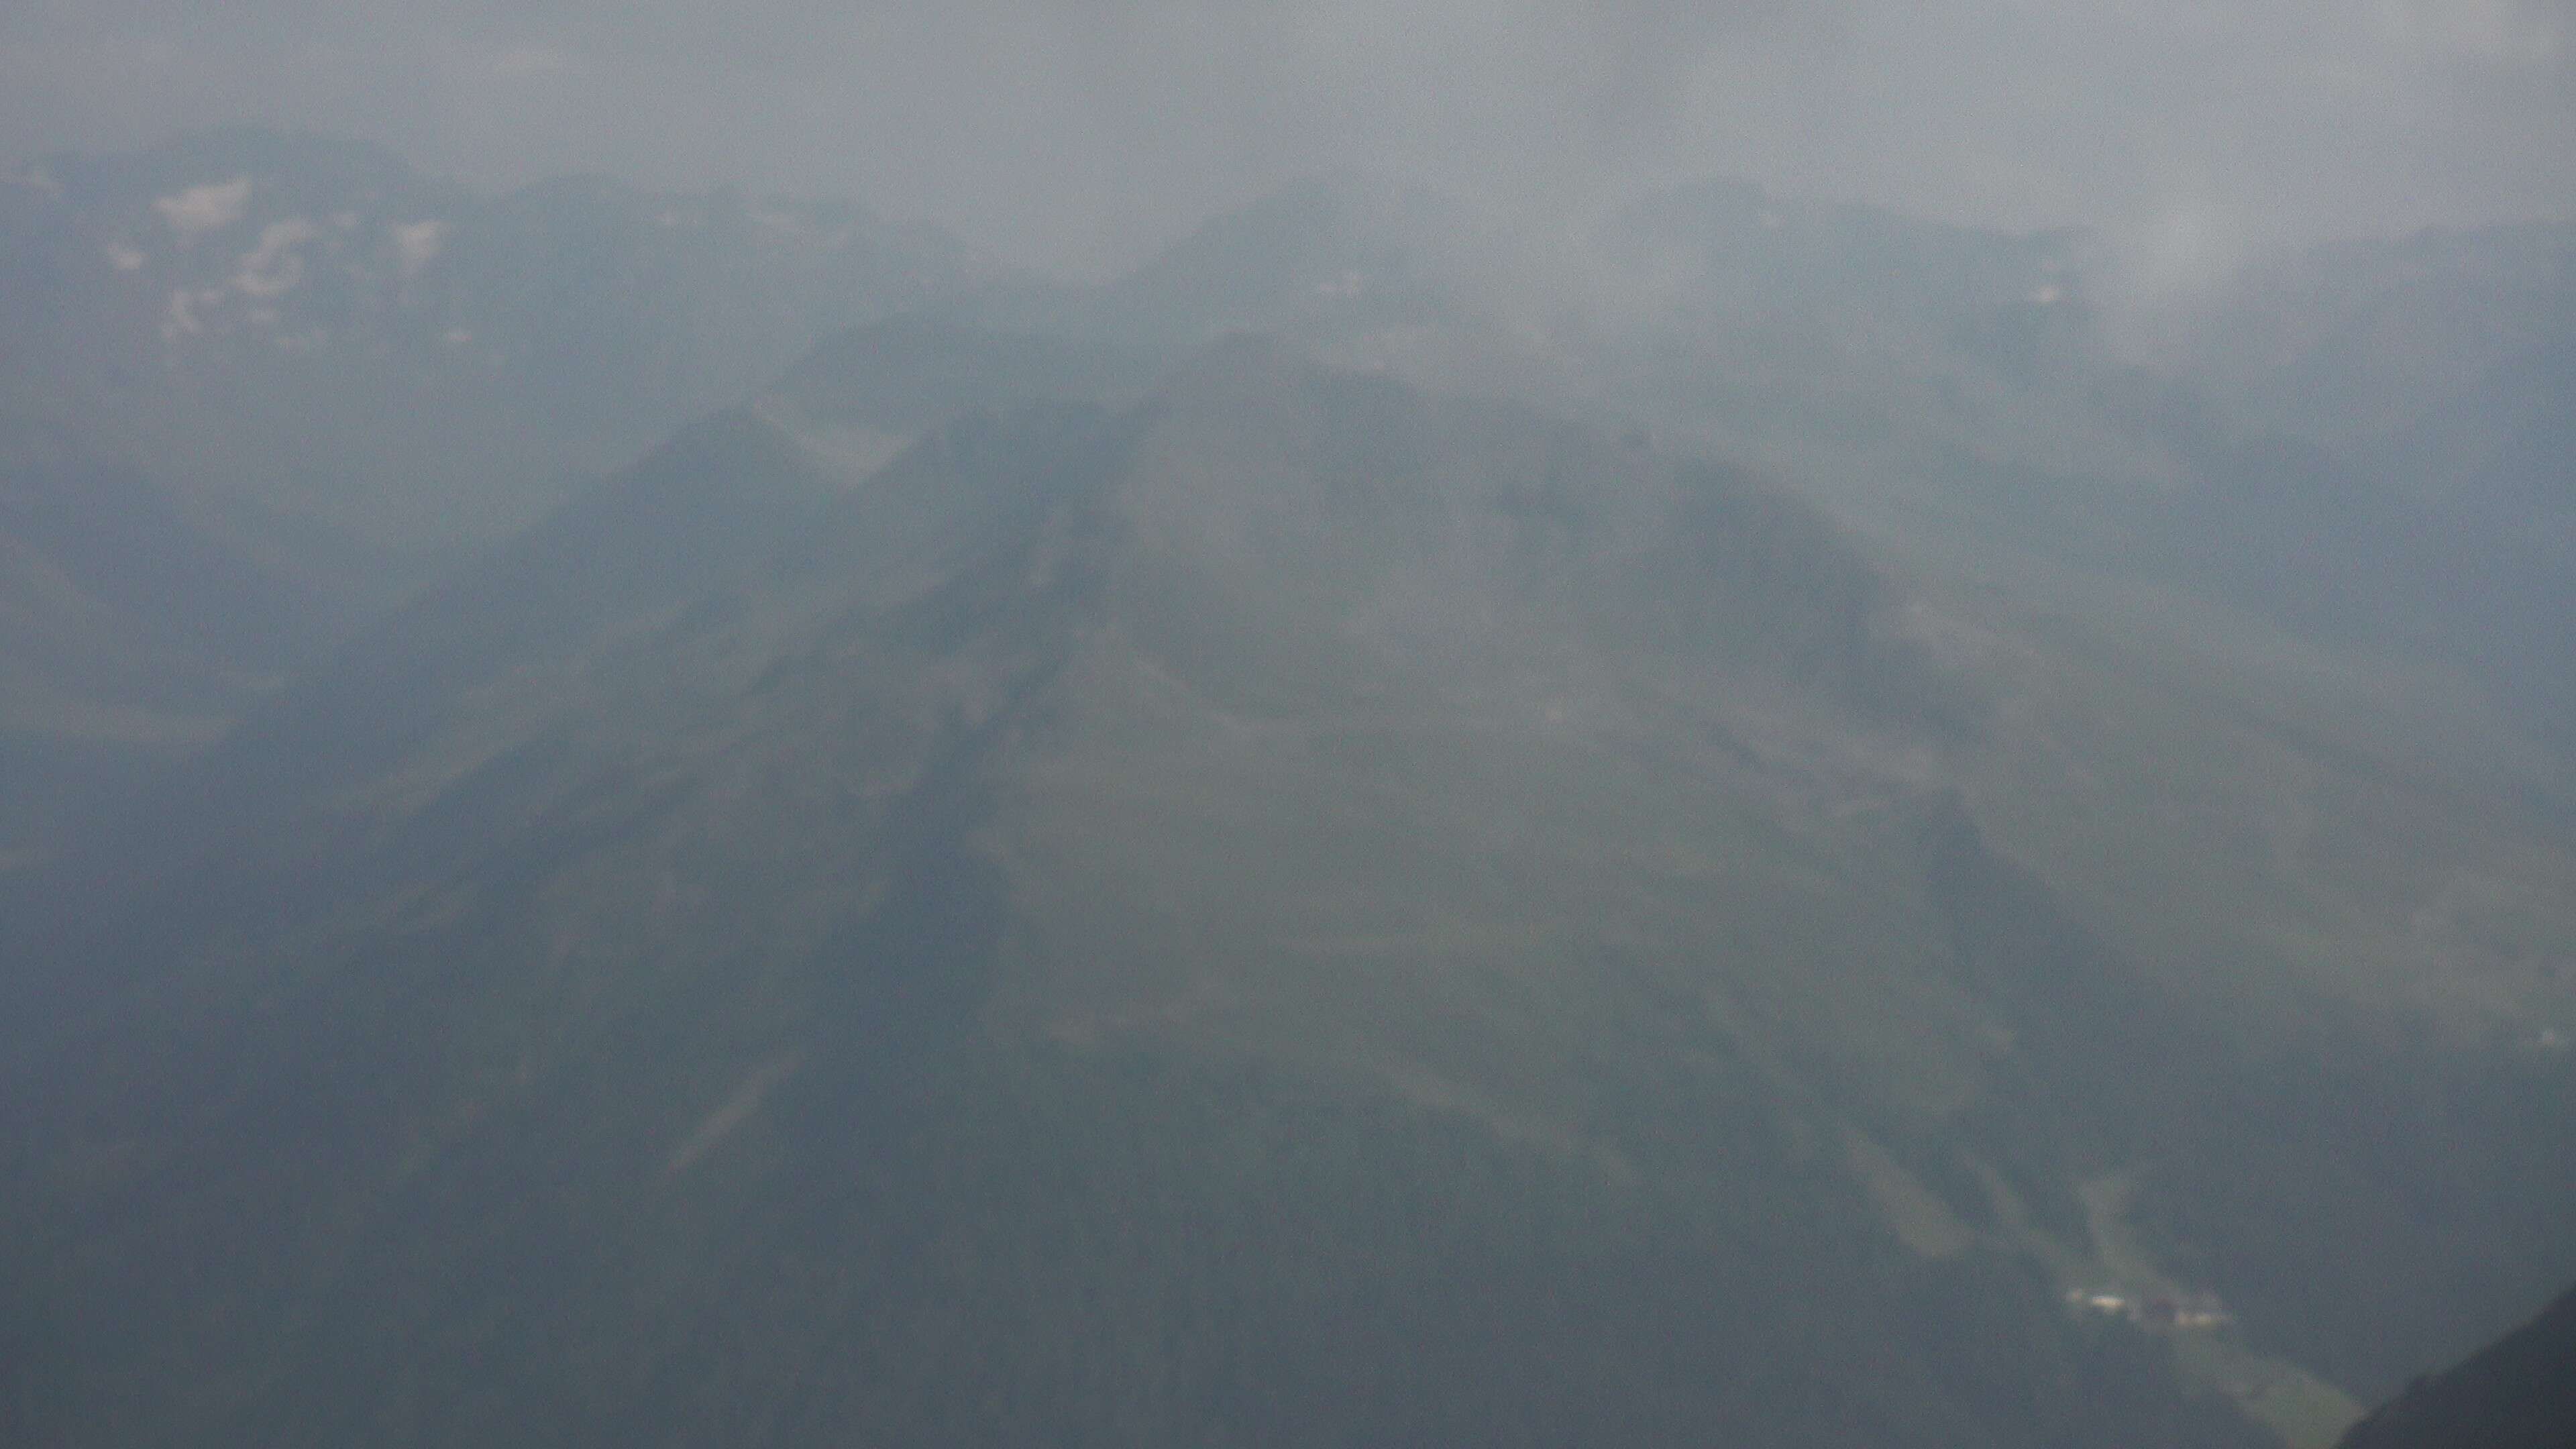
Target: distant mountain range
292,379
1342,840
313,324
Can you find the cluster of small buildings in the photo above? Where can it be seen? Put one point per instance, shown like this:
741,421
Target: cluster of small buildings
2157,1311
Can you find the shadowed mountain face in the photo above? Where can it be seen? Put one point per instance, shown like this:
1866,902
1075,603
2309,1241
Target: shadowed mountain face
135,624
2516,1393
1265,907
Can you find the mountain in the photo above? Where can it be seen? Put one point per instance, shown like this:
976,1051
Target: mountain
2433,373
1733,250
2360,445
1368,271
312,324
1269,905
2514,1394
2352,341
135,625
256,387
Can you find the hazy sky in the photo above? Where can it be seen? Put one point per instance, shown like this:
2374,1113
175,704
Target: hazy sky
1077,132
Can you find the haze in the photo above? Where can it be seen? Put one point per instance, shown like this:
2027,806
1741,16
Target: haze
1077,136
1846,726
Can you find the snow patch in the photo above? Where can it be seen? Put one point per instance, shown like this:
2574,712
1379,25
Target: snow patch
272,268
417,244
211,207
179,318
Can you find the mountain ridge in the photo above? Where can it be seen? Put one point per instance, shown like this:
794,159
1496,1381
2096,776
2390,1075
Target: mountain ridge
1037,880
2512,1394
1382,754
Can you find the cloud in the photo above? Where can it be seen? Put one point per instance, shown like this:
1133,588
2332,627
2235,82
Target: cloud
2507,32
527,62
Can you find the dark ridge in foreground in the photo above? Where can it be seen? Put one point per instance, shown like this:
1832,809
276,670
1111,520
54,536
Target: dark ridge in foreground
2517,1393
